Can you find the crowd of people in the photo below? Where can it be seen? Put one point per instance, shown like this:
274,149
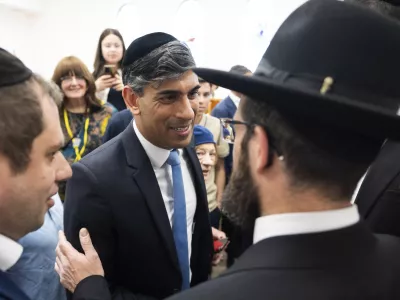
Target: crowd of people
123,184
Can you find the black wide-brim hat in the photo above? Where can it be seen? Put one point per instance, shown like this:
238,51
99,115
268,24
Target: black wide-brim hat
330,63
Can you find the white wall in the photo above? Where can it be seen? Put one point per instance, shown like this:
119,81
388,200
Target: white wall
227,31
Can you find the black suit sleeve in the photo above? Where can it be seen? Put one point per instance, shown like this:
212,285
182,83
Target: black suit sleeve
85,207
384,218
92,288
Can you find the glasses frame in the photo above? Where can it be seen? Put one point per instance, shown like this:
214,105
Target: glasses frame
251,126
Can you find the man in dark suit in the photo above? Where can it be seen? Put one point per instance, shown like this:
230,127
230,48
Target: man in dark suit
117,124
317,112
297,166
142,195
30,161
378,198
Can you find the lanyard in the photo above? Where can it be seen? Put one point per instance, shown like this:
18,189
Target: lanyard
77,141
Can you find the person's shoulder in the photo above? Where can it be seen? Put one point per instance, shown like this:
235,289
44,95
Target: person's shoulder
108,152
109,108
213,120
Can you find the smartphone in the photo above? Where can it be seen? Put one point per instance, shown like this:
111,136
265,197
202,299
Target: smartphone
110,70
220,245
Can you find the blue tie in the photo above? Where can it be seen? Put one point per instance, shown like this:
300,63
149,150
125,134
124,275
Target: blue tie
179,225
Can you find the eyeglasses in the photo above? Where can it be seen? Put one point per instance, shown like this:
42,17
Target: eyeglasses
228,133
69,79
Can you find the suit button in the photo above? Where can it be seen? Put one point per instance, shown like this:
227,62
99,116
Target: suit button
176,291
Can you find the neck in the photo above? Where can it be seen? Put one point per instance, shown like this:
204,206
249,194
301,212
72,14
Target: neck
75,105
198,118
285,201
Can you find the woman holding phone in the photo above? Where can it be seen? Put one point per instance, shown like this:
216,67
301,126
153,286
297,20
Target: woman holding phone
84,117
107,68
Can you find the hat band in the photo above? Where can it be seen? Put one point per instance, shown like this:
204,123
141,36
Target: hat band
323,86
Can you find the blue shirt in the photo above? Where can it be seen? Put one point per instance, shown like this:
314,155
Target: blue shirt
34,272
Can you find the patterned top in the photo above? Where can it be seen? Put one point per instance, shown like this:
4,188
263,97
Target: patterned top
98,122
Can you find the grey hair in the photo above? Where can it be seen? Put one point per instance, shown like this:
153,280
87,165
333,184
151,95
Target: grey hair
167,62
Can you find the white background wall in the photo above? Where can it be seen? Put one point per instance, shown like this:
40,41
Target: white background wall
41,32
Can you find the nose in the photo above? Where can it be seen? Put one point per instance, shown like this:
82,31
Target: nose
207,161
73,80
63,169
187,108
201,100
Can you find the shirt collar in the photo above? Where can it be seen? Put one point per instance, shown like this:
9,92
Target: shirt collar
302,223
158,156
234,98
10,252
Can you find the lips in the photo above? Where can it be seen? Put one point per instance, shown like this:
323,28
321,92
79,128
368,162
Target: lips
181,129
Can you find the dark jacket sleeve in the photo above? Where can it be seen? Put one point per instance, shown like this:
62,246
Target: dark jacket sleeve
85,207
384,218
92,288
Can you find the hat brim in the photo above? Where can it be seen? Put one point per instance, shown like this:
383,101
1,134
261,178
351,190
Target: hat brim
312,107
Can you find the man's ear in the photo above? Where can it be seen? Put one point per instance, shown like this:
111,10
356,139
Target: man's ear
131,100
260,150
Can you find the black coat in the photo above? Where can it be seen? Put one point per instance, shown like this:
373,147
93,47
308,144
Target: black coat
345,264
115,194
378,199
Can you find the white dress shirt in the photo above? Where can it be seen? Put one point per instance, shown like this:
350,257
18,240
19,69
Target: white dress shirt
235,99
10,252
302,223
158,158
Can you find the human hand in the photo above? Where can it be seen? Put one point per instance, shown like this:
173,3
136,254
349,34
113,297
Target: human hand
73,266
104,82
118,84
218,234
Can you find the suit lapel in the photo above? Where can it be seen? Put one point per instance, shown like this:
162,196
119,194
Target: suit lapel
9,290
379,176
144,177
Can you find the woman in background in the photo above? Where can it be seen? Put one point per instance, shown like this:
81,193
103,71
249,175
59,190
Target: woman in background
83,116
109,54
206,150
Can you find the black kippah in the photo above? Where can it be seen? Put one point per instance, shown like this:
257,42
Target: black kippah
12,70
144,45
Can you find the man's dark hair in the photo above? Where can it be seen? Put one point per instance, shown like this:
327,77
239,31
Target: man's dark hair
21,118
309,166
386,7
167,62
201,80
242,70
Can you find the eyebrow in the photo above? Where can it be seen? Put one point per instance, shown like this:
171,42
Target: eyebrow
56,147
176,92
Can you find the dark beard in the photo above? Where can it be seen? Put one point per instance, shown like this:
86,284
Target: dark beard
240,200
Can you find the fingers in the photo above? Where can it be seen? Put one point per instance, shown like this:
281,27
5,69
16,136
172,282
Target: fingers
61,236
86,242
217,234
